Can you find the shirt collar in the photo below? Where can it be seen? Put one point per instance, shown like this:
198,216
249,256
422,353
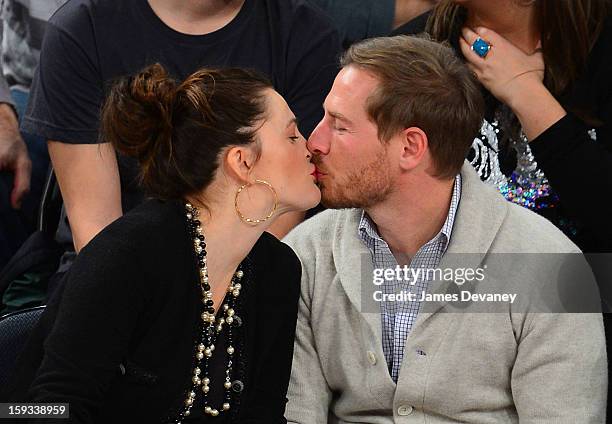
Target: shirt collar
368,232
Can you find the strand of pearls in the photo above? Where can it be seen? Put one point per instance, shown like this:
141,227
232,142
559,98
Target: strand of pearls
211,325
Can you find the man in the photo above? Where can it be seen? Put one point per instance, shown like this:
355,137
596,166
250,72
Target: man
360,19
91,43
24,160
400,118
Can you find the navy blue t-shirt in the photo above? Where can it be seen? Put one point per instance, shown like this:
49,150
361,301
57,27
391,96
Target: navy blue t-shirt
90,43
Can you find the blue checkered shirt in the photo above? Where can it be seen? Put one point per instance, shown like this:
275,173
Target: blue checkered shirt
399,317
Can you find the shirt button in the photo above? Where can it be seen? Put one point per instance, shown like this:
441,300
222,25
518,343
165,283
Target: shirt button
371,357
404,410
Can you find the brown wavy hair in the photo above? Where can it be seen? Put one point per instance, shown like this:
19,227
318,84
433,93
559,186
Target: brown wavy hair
424,84
569,30
178,131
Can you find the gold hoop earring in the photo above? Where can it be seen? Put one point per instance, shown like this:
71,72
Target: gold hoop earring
256,221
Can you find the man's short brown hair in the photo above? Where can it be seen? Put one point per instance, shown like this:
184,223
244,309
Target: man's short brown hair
422,84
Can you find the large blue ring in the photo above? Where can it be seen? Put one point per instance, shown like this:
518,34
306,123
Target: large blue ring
481,47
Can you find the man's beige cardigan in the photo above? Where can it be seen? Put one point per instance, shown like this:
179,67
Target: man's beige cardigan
458,367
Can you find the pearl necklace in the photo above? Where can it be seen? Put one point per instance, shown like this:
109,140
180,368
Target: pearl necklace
212,326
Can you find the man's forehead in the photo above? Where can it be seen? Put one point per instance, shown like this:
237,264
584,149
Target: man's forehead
352,87
355,77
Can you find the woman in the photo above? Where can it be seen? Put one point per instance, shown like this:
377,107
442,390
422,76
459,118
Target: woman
545,66
184,309
546,141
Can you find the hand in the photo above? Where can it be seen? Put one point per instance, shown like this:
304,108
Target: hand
14,155
507,72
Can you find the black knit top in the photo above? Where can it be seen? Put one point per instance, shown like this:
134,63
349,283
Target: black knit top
125,322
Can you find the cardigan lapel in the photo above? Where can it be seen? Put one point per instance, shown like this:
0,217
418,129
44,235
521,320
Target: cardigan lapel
480,215
355,271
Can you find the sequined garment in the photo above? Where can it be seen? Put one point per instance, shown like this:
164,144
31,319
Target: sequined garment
526,185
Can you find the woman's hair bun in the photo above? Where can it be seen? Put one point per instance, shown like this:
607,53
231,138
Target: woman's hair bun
177,132
137,115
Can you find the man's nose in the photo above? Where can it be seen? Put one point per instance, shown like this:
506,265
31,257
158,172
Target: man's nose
318,142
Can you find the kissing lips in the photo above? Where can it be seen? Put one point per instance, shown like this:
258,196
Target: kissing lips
318,174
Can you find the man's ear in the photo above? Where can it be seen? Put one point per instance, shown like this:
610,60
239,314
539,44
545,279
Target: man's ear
239,162
414,145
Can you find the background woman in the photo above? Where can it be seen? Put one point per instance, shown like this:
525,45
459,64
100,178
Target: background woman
546,141
184,309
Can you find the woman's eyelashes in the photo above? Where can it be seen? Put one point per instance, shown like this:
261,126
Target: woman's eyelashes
294,138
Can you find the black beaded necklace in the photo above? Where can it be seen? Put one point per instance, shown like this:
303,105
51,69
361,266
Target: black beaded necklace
211,326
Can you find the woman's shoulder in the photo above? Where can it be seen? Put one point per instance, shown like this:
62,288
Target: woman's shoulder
272,251
134,253
594,83
276,262
153,225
